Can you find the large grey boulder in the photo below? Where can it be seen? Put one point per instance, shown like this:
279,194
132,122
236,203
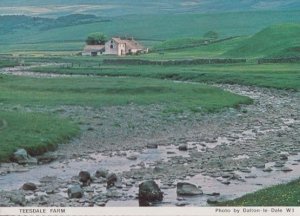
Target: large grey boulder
22,157
149,192
75,191
29,186
183,147
112,180
85,178
187,189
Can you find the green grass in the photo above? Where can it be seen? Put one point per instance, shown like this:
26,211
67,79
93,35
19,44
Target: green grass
278,40
8,62
279,195
115,91
179,43
281,76
182,49
37,133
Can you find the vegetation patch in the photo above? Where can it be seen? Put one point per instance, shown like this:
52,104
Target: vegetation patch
37,133
104,91
279,195
275,41
280,76
8,63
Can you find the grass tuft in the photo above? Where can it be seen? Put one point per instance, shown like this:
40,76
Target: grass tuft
279,195
37,133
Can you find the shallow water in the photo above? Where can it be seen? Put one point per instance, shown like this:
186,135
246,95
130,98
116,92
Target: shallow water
68,169
236,189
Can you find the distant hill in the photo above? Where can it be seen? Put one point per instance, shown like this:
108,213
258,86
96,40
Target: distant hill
275,41
56,8
68,33
12,23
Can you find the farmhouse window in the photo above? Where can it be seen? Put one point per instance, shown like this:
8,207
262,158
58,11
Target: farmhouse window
111,46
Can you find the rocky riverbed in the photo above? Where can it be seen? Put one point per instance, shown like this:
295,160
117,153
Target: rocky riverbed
225,155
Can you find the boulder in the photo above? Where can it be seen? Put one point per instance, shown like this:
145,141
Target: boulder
111,180
213,200
75,191
284,156
149,192
101,173
180,204
268,169
152,146
47,157
132,157
187,189
85,178
29,186
286,169
183,147
22,157
279,164
251,176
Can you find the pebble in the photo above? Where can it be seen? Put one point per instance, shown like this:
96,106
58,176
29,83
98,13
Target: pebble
268,169
132,157
213,200
181,204
152,146
251,176
286,169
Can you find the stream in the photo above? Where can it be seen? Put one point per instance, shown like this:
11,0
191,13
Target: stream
227,154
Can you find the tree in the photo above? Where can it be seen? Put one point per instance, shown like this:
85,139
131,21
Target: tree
96,38
211,35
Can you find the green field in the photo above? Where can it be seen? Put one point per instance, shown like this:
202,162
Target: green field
115,91
281,76
37,133
279,195
4,62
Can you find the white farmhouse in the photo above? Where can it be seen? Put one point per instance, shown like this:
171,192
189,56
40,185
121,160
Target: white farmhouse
119,46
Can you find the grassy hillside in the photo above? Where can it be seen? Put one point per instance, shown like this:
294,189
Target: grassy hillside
153,28
277,40
189,48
